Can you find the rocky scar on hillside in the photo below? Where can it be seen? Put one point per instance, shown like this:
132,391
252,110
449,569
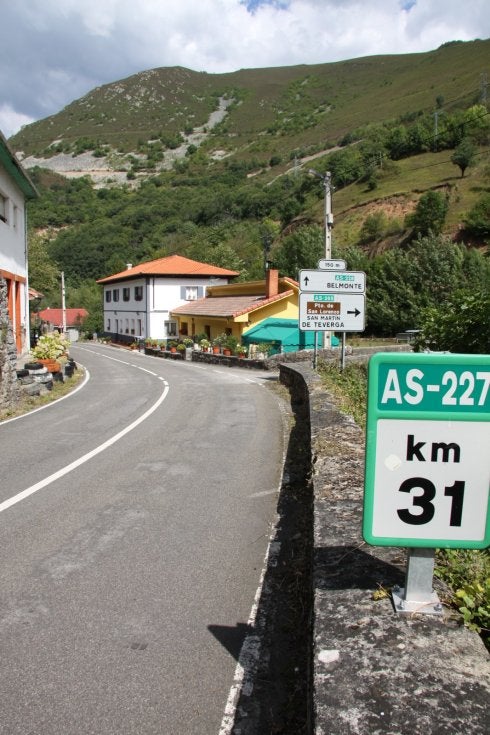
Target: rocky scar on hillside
113,168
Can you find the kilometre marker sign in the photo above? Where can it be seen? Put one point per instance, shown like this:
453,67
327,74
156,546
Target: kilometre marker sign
427,475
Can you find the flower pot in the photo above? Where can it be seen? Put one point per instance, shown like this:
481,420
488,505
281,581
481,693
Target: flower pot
215,350
226,351
53,366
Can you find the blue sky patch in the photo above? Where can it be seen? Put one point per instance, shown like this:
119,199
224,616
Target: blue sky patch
252,5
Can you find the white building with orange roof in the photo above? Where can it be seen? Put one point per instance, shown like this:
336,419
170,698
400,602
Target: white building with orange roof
139,300
15,188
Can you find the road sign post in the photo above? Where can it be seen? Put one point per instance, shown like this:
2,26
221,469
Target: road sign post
427,473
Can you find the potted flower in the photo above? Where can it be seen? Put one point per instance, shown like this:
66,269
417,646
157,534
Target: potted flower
241,350
218,342
49,348
181,348
204,344
172,345
229,345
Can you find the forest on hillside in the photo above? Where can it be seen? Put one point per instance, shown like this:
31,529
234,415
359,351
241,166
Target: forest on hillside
219,213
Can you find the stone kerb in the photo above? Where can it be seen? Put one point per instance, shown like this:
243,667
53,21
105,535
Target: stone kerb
374,671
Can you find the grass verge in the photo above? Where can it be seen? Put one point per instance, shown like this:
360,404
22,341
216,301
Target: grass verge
29,403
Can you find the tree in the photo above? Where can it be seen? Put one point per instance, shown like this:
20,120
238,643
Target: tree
303,249
461,324
373,227
429,215
477,221
44,276
464,155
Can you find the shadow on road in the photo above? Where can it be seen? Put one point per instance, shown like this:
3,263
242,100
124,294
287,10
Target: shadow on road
275,650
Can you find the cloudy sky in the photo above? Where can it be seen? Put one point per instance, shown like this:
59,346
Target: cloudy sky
55,51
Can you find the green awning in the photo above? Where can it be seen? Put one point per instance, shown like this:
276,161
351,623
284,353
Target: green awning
283,334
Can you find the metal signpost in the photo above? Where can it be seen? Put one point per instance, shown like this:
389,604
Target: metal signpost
427,474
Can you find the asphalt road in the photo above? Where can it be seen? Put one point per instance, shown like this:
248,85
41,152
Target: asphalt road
134,520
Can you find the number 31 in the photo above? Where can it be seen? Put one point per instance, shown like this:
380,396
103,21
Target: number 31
456,492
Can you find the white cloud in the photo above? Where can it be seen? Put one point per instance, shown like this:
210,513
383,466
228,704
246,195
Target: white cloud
54,51
11,121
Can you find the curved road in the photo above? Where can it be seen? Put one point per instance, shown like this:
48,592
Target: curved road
134,520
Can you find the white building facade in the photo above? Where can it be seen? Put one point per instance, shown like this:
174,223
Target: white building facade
15,189
138,301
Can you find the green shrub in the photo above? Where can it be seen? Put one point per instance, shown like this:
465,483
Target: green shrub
467,572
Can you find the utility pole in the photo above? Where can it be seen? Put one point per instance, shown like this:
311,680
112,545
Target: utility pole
436,129
267,242
63,304
328,220
483,88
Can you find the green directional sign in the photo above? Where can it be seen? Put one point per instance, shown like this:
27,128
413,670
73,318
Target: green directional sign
427,474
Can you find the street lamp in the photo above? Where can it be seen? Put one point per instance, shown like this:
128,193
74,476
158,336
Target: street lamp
326,179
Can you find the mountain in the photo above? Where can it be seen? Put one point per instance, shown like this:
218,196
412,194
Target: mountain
146,122
216,168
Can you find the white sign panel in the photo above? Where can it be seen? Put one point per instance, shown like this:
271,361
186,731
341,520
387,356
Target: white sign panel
343,282
336,312
429,482
332,265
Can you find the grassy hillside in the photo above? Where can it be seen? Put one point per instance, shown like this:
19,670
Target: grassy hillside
241,187
276,111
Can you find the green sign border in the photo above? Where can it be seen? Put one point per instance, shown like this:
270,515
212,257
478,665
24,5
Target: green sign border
374,413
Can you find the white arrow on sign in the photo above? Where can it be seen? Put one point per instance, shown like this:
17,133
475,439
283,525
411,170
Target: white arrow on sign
328,281
331,312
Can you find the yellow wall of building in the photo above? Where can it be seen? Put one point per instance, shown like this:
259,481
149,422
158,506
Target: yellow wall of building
283,309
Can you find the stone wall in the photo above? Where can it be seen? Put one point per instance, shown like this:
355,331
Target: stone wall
9,391
373,670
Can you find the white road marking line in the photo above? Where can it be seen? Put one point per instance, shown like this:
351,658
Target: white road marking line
263,493
248,659
86,457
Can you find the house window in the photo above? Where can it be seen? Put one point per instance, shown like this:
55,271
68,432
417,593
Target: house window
191,293
115,294
184,329
140,330
127,326
108,325
171,329
138,293
4,208
126,294
16,217
108,297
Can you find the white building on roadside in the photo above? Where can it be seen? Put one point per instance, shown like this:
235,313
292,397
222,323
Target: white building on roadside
15,188
138,301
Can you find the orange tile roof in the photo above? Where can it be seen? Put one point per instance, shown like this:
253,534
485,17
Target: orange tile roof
228,306
173,265
55,316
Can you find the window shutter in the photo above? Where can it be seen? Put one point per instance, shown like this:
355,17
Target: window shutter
182,292
200,292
